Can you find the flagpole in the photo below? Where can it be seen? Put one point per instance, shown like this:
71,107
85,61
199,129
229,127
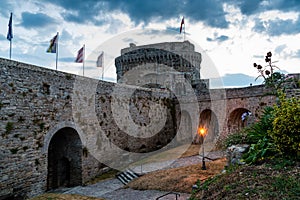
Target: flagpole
56,51
102,65
83,60
10,49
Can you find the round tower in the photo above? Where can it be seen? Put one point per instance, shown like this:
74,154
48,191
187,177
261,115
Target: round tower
180,56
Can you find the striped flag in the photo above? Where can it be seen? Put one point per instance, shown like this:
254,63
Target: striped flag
80,55
100,60
181,25
9,33
53,44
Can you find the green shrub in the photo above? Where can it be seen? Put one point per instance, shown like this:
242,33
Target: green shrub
264,148
262,145
259,130
253,133
286,125
9,127
239,137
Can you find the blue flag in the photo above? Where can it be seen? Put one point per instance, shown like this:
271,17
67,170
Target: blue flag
53,43
9,33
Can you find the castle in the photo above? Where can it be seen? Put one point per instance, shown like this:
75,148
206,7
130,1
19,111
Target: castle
59,129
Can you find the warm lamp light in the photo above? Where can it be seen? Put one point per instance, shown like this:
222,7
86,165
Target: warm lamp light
201,132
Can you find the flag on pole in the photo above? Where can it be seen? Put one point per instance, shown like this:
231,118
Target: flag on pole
100,60
53,47
80,55
181,25
53,43
9,33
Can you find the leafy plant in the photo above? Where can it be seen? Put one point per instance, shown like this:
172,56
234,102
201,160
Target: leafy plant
264,148
239,137
286,125
262,145
14,150
259,130
9,127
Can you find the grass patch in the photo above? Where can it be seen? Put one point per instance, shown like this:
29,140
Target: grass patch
252,182
177,179
108,175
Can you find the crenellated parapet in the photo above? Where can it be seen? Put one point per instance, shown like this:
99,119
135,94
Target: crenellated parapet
155,59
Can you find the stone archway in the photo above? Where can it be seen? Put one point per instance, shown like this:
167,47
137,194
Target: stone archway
238,119
209,121
64,159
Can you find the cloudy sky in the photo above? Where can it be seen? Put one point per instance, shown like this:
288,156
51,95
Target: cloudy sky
231,33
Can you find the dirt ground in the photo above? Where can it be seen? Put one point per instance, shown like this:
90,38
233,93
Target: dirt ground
178,179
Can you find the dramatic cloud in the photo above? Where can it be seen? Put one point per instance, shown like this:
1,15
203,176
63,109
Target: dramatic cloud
257,6
6,8
36,20
209,11
296,54
249,7
2,37
233,32
221,38
280,48
277,27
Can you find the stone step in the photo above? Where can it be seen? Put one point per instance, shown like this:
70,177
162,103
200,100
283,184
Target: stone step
126,176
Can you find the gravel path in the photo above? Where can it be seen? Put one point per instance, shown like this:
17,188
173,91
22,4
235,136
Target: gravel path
113,189
180,162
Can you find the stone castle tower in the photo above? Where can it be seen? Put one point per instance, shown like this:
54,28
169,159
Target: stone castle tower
180,57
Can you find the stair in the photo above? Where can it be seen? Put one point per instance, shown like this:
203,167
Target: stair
126,176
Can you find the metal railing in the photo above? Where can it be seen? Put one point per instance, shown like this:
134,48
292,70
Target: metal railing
176,194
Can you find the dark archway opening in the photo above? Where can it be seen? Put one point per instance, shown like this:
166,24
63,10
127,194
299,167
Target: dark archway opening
238,119
64,159
209,121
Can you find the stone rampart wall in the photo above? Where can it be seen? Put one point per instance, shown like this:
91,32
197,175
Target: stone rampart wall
36,103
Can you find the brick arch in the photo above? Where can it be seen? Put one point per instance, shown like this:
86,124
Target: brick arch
235,122
64,159
208,119
56,128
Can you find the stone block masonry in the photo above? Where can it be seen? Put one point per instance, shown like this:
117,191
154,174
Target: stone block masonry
37,115
48,122
34,101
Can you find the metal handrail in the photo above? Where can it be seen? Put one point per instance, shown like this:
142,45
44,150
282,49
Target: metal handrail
176,194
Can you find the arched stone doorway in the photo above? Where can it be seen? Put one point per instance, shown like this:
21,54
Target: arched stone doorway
209,121
64,159
238,119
